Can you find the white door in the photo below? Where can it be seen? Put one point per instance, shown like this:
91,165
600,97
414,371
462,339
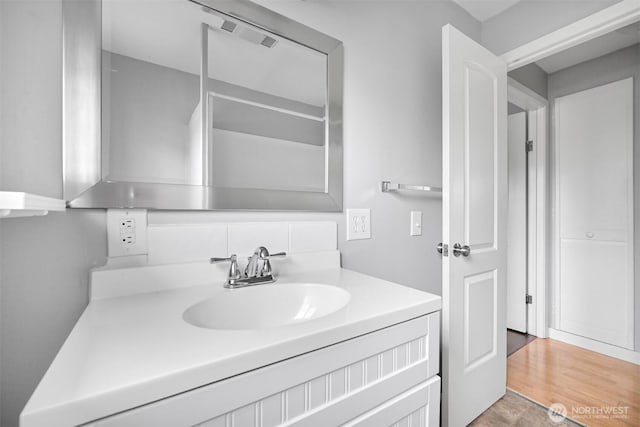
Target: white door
474,216
594,140
517,223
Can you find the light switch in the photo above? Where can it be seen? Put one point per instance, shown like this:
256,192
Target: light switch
416,223
358,224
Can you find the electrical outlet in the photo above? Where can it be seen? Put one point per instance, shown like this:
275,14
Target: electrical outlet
358,224
126,232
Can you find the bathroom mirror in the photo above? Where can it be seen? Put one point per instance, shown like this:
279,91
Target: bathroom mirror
179,104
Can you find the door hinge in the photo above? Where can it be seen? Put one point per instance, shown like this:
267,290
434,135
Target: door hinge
529,146
529,299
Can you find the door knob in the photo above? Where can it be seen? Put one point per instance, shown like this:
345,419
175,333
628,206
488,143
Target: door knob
461,250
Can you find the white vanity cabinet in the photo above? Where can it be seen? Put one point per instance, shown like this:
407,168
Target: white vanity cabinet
134,359
386,377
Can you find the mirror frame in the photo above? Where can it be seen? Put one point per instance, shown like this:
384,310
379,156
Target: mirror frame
81,123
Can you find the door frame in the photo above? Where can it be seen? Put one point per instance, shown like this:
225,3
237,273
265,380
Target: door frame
537,109
602,22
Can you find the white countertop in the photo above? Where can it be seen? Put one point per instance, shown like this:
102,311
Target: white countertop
131,350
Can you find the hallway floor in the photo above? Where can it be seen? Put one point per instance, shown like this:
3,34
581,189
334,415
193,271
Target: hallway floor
514,410
516,340
596,389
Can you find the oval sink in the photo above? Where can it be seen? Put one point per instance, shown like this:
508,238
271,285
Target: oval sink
266,306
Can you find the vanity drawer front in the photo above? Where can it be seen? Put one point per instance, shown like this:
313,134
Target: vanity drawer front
417,407
329,386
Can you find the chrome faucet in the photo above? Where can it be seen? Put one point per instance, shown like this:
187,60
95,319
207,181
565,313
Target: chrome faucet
257,272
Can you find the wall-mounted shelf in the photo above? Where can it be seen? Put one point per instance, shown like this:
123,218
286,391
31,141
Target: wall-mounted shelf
255,118
15,204
388,186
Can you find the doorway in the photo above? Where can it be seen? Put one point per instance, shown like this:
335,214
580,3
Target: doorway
592,296
591,291
526,241
615,29
517,224
526,171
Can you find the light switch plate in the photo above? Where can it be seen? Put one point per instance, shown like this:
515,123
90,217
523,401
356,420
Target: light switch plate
416,223
358,224
126,232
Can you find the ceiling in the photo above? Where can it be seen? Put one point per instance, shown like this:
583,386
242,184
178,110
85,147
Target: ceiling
615,40
485,9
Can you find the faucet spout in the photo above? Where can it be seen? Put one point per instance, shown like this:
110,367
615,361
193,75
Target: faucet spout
251,270
259,264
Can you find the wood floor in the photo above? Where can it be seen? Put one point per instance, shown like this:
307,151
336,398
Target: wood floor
587,383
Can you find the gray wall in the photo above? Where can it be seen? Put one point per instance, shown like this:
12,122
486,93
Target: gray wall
530,19
533,77
145,114
514,109
392,131
615,66
44,261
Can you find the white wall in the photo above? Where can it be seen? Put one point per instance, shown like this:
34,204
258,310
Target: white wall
530,19
44,262
606,69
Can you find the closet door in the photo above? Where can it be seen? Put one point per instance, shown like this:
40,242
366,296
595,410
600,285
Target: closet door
594,173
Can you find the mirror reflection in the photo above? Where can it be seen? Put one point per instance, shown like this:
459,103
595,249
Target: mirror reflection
266,99
258,119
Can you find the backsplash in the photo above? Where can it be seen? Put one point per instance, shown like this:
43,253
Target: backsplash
179,243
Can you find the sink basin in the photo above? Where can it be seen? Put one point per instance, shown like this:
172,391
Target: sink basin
267,306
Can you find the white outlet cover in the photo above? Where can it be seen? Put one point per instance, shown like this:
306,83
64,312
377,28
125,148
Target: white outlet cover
358,224
133,240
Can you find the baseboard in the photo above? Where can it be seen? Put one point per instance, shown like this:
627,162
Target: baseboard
597,346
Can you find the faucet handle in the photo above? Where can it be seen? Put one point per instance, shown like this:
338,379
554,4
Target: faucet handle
234,271
263,253
266,266
215,260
